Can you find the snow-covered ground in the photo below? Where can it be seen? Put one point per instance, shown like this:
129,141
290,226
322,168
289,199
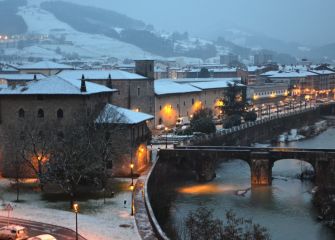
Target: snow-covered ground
98,222
40,21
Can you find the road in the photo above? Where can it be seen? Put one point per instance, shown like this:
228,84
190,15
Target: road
37,228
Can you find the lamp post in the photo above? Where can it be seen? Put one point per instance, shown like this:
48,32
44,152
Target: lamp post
131,173
132,187
166,138
76,210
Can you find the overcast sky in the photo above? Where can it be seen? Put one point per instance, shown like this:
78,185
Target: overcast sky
306,21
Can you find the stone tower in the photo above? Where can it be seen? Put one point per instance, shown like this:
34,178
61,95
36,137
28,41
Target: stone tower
145,68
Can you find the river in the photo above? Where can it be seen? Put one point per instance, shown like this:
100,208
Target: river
285,208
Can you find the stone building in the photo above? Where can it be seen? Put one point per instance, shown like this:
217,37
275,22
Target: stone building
135,132
183,97
135,90
57,102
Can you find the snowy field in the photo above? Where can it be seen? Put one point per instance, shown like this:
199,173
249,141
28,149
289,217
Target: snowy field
98,222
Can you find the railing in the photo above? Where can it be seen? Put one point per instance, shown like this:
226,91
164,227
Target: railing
160,234
246,125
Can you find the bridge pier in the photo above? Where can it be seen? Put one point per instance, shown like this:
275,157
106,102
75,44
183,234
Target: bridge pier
261,170
205,170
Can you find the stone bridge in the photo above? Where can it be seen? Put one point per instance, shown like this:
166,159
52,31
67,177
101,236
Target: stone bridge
203,160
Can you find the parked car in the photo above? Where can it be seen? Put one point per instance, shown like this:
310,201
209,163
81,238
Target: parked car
13,232
182,121
43,237
160,127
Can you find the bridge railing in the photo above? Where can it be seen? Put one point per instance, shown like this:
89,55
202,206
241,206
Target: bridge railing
223,132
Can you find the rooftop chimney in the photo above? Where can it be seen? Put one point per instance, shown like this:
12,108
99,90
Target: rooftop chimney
83,84
109,82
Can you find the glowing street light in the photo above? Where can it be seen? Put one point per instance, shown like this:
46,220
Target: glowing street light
166,131
76,210
131,173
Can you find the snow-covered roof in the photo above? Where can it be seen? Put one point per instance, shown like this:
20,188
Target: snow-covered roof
216,70
44,65
100,74
167,86
223,70
8,68
269,73
23,77
55,86
323,72
115,114
293,74
194,80
213,85
254,68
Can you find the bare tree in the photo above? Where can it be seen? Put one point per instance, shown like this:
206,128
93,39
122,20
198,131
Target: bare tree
72,161
201,224
17,168
85,153
30,147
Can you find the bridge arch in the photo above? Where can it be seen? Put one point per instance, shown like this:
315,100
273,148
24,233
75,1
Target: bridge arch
293,167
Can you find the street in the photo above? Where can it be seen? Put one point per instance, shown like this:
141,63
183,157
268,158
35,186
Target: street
37,228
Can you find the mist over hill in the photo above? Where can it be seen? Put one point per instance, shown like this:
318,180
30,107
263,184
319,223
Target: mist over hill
10,22
92,31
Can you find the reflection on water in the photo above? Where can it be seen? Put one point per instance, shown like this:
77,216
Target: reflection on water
205,189
285,208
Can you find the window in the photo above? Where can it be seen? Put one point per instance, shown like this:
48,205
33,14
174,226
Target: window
60,113
184,104
21,113
192,101
40,113
138,91
160,107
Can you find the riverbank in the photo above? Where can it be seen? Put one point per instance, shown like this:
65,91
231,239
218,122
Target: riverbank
285,208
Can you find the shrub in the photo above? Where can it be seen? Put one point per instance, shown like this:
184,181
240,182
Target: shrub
250,116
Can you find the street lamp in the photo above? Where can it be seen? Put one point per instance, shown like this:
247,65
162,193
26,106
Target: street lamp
76,210
132,187
131,173
166,131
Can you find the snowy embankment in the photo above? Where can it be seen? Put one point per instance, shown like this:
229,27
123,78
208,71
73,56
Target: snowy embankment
304,132
102,222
